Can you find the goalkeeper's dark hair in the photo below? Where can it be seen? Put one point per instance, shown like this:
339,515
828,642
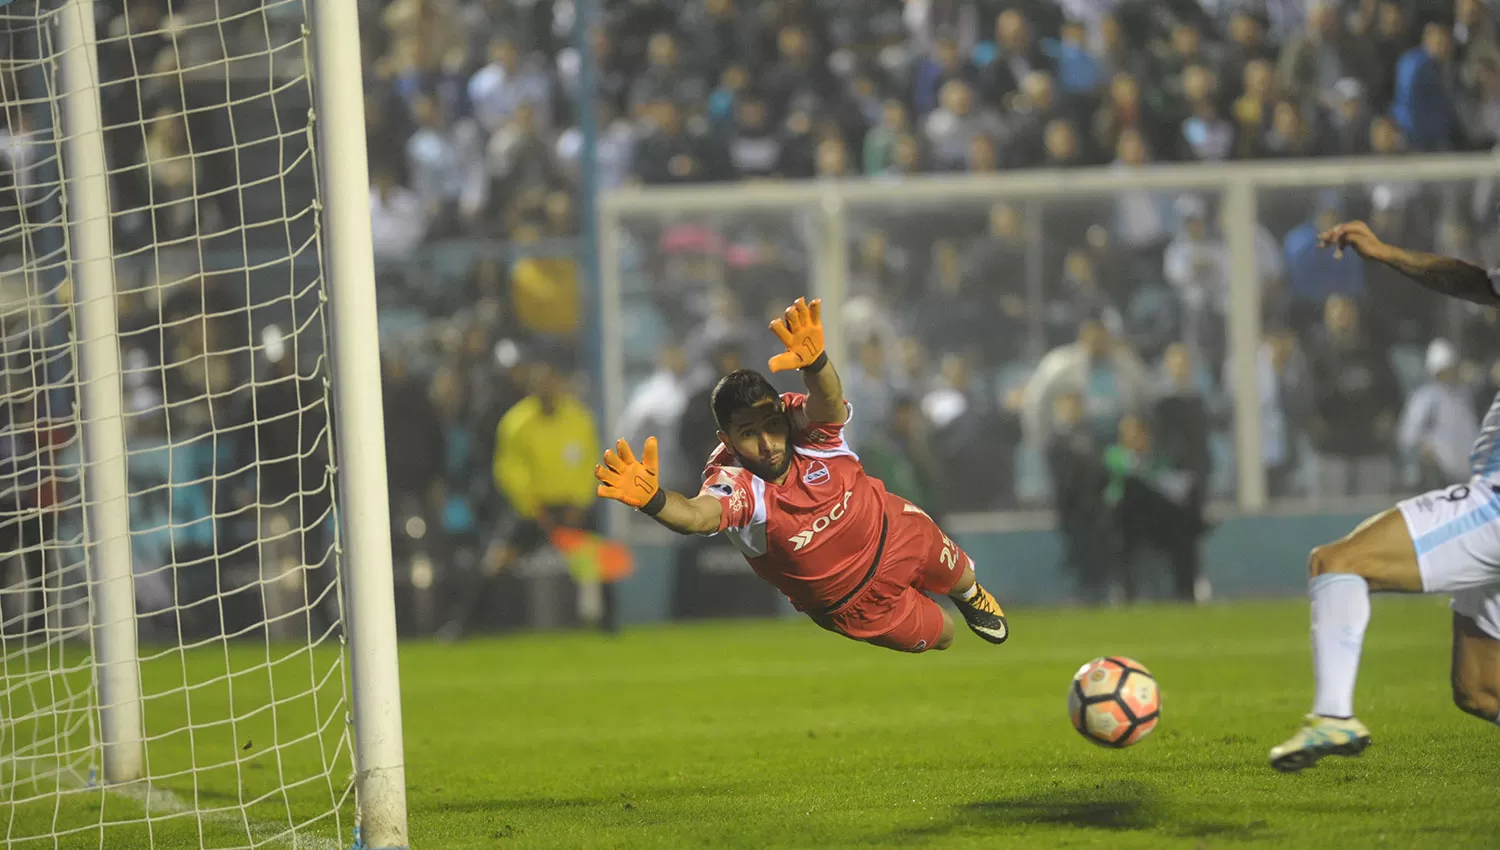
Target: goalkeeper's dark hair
738,390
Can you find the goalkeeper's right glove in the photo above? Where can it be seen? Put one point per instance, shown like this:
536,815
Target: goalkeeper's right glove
630,481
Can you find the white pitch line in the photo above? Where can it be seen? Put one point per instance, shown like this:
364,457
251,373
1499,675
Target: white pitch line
263,833
159,801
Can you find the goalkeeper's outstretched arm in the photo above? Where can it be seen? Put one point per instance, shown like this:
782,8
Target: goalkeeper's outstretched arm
801,331
635,483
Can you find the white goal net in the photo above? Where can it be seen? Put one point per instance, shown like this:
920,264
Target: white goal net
168,420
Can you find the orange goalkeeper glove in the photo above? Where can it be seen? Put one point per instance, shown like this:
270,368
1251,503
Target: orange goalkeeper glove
801,331
633,482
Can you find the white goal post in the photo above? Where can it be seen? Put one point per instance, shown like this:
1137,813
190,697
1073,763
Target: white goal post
197,619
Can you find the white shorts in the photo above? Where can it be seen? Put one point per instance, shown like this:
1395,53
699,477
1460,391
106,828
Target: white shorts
1456,533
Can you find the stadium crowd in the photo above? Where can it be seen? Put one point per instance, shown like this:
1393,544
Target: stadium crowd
1001,356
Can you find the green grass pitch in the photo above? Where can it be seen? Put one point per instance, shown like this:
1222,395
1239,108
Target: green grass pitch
778,734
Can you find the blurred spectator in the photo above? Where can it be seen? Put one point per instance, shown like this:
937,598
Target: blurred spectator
446,167
1314,273
1255,107
1153,508
398,223
663,77
1290,135
1355,407
1014,53
1079,74
174,173
1324,53
674,154
1393,36
880,141
544,290
1439,425
1184,414
1032,110
545,452
1080,296
954,124
870,387
902,456
655,409
970,435
798,71
698,432
1424,100
1124,111
614,151
1183,49
1106,374
1063,146
755,146
1481,112
1350,117
1076,469
1284,384
950,314
1197,267
498,89
520,160
1474,30
932,74
414,437
1247,40
1206,134
1143,219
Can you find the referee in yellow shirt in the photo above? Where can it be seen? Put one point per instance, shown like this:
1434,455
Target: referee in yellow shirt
545,450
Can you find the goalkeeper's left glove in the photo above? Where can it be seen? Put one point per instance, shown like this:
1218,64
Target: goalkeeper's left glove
801,331
633,482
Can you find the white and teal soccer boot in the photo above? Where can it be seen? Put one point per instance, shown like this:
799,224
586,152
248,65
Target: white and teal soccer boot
1320,736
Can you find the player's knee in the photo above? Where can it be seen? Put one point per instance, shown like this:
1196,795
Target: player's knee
945,639
1331,558
1476,699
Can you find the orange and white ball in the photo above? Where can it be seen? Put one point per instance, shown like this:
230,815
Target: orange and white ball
1113,701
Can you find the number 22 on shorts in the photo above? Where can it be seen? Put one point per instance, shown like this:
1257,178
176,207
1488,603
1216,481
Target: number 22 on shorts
950,554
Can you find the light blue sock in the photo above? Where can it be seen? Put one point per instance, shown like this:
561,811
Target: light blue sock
1340,613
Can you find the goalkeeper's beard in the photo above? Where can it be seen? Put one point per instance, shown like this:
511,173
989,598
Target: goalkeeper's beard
765,471
768,473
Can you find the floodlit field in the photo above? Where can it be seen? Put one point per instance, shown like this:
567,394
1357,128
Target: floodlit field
777,734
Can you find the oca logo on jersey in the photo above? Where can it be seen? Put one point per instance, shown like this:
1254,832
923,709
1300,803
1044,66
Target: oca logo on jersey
803,538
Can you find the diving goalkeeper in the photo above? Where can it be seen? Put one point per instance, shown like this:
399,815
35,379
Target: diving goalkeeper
794,499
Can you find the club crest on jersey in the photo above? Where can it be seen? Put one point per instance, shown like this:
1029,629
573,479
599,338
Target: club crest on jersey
817,473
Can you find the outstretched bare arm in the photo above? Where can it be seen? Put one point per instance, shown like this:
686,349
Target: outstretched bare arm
698,515
1445,275
800,329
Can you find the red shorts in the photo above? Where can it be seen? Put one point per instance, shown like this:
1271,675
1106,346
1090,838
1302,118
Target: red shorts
893,610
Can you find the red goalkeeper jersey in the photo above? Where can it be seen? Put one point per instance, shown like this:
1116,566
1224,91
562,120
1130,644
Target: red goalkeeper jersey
817,534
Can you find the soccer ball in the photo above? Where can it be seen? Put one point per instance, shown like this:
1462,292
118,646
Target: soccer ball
1113,701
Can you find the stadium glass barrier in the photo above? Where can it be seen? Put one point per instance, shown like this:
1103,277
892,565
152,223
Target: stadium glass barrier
900,239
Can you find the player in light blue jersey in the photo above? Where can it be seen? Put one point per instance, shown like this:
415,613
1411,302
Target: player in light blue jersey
1445,541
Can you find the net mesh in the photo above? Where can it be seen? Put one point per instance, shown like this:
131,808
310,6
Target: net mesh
218,285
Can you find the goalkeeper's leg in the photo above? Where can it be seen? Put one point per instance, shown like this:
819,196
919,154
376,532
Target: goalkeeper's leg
946,569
